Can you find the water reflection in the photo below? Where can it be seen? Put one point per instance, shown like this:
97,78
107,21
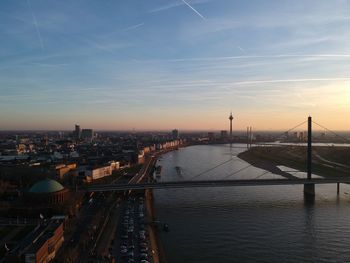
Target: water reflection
248,224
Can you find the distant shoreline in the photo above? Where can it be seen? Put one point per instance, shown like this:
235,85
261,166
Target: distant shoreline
270,166
326,162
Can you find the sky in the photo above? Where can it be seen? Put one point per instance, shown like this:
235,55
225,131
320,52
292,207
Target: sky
164,64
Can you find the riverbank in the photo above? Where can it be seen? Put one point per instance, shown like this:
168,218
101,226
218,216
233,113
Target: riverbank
156,243
268,158
153,237
260,162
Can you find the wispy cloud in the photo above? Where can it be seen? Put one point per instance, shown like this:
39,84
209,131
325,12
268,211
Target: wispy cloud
133,27
35,22
241,49
254,82
194,10
319,56
165,7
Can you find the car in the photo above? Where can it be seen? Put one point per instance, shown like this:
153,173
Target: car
144,250
124,243
144,256
131,246
143,244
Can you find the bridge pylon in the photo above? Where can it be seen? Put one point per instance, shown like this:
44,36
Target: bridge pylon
309,188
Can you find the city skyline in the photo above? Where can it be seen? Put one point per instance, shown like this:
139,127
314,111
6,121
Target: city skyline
161,65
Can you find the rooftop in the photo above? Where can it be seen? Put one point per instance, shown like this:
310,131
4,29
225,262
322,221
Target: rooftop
46,186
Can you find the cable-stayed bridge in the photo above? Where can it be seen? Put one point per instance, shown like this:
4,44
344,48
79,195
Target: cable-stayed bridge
214,183
193,182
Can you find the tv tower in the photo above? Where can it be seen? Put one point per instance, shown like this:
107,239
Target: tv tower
230,118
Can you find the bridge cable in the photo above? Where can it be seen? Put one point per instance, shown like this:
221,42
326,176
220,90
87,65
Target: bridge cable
281,149
238,171
279,135
246,167
329,145
333,132
210,169
262,174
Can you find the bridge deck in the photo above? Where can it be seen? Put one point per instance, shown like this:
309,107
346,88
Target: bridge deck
214,183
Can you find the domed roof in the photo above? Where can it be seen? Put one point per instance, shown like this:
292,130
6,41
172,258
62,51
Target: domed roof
46,186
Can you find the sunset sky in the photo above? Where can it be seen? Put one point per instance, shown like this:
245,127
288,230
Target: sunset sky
164,64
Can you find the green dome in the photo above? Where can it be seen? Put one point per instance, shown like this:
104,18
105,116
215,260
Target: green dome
46,186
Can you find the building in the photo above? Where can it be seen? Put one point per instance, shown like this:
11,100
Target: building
89,174
40,245
63,170
77,132
47,193
87,134
223,134
47,197
175,134
211,136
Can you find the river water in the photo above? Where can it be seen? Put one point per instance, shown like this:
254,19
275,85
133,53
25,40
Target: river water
247,224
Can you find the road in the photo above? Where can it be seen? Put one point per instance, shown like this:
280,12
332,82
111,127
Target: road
217,183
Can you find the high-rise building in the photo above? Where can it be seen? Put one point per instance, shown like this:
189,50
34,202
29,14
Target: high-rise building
77,131
175,134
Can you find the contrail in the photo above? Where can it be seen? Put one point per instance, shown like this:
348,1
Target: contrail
36,25
194,10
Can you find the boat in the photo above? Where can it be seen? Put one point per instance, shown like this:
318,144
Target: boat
166,227
158,170
178,170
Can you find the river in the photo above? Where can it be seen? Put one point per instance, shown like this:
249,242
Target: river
247,224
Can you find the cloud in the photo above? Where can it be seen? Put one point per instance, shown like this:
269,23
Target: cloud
247,57
35,22
254,82
133,27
